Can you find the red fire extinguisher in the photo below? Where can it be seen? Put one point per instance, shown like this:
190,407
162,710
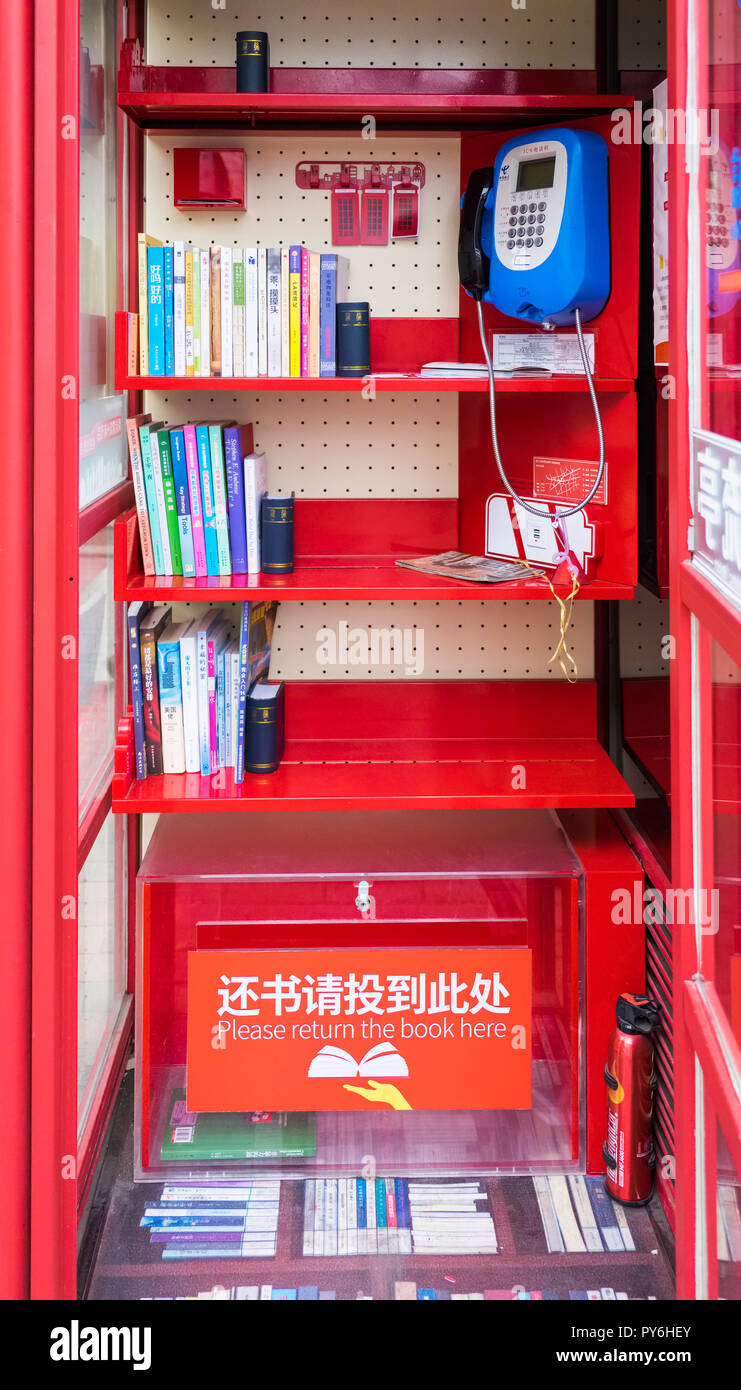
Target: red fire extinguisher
631,1082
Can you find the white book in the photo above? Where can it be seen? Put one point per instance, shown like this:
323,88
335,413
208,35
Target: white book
205,292
227,311
247,1293
228,699
309,1186
608,1294
255,487
160,495
251,367
208,626
285,327
171,701
319,1196
235,702
551,1227
189,676
266,1293
330,1216
352,1217
371,1232
262,311
568,1223
178,307
585,1214
342,1216
238,312
623,1226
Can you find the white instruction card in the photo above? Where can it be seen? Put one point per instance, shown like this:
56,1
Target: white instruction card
549,352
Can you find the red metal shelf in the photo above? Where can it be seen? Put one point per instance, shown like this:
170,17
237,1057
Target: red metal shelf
409,382
425,764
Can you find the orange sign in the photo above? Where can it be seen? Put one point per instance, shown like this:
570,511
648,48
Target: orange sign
400,1028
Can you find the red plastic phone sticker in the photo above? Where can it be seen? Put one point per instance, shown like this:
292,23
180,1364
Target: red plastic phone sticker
360,1029
567,480
406,211
374,217
345,217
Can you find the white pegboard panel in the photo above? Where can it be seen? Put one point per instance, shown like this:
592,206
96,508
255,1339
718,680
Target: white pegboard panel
379,33
641,34
408,277
643,624
335,445
444,640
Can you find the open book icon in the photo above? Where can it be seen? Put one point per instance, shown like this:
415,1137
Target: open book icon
381,1060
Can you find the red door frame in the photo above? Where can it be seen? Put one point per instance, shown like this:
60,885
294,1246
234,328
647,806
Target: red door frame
706,1054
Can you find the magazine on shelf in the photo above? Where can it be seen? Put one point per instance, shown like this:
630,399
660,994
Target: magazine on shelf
478,569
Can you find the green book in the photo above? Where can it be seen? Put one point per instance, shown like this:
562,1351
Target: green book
221,512
168,487
221,1137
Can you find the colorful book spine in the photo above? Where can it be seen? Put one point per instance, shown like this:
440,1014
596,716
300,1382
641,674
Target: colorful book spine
182,502
215,641
262,311
333,285
143,243
605,1215
189,355
372,1245
171,509
132,341
156,271
159,488
285,340
215,309
150,631
381,1217
196,505
352,1217
235,704
151,495
216,441
205,631
205,291
137,611
196,312
171,698
294,310
309,1187
274,310
238,317
305,301
361,1206
234,454
403,1220
251,358
140,493
244,654
189,682
255,486
169,293
179,308
207,492
227,311
314,293
224,705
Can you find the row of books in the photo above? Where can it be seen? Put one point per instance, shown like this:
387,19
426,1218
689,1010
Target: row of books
406,1289
244,312
579,1217
395,1216
198,491
403,1289
190,1136
196,690
254,1293
215,1221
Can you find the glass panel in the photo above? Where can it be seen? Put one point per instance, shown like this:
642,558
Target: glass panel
102,436
720,212
729,1221
101,960
98,656
724,930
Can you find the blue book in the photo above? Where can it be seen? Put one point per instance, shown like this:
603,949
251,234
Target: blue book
151,493
333,285
605,1215
156,277
402,1204
578,1295
283,1295
136,612
244,657
238,443
327,1294
361,1204
426,1294
182,502
381,1220
220,709
169,300
207,492
307,1291
171,698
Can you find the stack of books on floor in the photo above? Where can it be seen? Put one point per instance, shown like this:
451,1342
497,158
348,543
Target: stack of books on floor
234,311
191,1137
578,1216
356,1216
215,1221
451,1218
198,491
191,687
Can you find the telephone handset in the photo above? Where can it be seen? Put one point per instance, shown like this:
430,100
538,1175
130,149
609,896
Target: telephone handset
535,242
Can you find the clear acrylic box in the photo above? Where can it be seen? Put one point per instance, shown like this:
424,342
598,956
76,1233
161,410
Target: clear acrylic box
291,882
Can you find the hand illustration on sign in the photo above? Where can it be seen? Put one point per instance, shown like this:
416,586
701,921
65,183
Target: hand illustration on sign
381,1091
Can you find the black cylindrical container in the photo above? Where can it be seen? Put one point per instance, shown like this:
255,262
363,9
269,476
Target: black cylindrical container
277,535
253,61
353,339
